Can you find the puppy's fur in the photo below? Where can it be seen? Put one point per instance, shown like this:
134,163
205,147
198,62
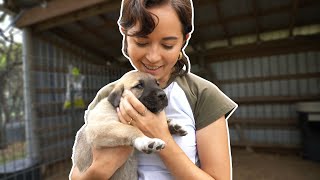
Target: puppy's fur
102,127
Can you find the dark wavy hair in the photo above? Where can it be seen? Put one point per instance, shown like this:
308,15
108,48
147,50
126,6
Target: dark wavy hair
134,11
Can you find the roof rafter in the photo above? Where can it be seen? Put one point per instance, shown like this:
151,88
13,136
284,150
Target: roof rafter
281,46
104,41
280,9
295,4
78,15
53,9
256,18
107,22
71,38
222,23
248,15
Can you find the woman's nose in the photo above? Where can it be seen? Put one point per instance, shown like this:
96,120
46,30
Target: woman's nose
153,54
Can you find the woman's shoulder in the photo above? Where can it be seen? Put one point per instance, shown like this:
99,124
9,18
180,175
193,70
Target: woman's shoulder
207,101
195,83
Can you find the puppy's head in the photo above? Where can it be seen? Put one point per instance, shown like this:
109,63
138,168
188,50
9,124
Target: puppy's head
144,86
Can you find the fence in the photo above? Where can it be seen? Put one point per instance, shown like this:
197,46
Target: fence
36,145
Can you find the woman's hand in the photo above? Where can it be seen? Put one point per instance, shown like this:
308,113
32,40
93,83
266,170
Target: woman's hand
105,163
132,111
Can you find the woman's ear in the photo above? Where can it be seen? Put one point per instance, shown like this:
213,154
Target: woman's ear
187,36
123,31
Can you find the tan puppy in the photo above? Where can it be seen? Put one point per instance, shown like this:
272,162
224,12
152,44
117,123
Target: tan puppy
102,127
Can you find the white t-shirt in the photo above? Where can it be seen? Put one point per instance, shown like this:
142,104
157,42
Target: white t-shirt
150,165
195,103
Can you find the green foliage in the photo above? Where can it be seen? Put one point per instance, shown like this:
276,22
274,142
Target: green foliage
11,94
2,61
10,54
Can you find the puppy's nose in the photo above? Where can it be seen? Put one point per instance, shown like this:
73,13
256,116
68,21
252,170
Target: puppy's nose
161,95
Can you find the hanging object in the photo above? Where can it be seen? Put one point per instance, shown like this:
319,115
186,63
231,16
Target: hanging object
74,94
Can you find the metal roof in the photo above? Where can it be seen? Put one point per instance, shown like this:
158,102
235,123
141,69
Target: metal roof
92,24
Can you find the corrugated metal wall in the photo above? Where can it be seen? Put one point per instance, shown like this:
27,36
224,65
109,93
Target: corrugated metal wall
266,89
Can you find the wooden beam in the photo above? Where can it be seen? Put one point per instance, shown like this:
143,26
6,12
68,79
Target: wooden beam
294,10
271,78
263,122
53,9
256,18
77,41
104,41
265,146
265,12
71,50
198,37
275,99
248,15
222,23
77,16
282,46
109,23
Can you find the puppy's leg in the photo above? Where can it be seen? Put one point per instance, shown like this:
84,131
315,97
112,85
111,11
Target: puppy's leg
82,155
114,133
148,145
176,128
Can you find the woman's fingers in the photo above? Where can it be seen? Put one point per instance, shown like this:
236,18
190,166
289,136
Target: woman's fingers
126,109
121,118
131,109
135,103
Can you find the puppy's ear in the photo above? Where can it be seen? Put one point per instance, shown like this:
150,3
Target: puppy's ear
115,95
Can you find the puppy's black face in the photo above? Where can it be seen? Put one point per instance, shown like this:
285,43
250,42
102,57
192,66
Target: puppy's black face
145,87
153,97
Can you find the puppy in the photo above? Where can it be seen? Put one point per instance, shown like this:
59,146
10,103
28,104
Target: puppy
102,127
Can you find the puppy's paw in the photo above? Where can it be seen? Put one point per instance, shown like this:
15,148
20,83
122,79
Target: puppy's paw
148,145
176,128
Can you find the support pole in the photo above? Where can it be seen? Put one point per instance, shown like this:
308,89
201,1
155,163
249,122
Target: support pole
32,143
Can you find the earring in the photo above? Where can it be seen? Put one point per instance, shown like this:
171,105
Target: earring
180,56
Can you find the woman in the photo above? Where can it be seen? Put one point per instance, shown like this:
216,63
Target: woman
155,33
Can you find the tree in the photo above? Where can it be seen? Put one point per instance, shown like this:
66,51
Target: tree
11,86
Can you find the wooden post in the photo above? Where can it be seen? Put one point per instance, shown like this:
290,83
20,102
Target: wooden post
32,143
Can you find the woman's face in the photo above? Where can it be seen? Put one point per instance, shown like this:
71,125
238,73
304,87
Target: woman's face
158,52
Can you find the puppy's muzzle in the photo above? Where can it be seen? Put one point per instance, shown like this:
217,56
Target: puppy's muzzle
155,101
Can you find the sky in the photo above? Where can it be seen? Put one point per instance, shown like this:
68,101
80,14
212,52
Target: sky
6,23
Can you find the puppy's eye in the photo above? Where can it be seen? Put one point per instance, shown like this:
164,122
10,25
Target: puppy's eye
157,82
139,86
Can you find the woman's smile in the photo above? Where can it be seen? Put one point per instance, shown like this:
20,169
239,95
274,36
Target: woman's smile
151,69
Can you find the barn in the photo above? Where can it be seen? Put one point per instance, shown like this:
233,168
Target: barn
263,54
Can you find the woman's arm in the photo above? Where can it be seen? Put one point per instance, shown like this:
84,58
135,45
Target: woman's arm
212,143
213,151
105,163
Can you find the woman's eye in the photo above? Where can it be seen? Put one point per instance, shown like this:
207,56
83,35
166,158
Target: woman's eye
140,44
167,46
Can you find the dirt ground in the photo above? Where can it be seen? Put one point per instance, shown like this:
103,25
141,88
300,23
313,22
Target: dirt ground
271,166
251,166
